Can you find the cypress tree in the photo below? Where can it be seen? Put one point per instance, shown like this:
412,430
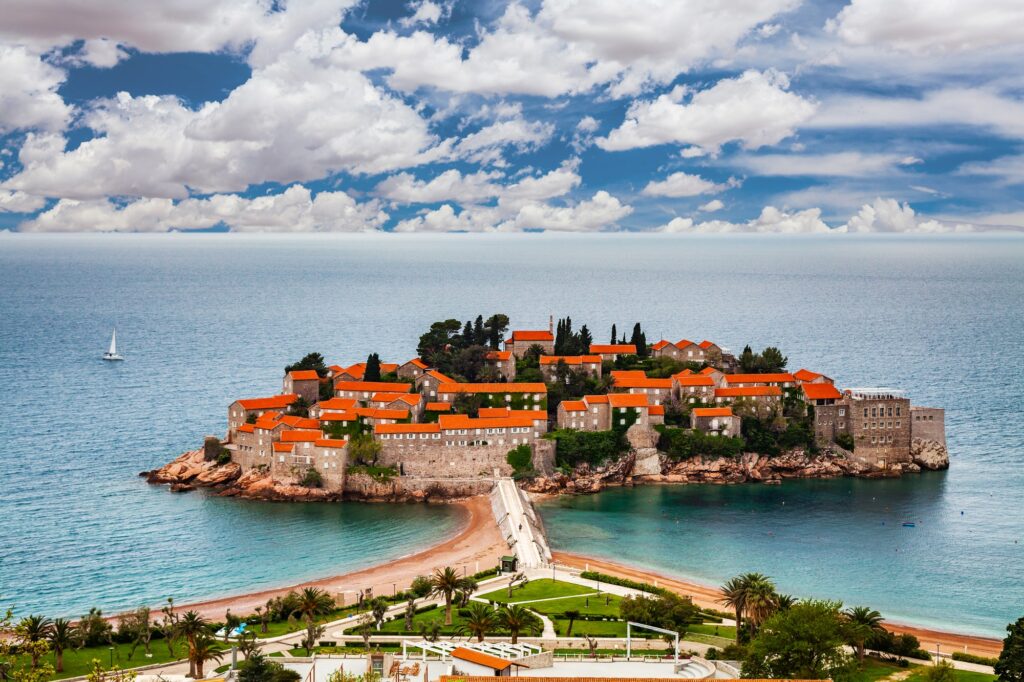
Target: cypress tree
615,338
372,372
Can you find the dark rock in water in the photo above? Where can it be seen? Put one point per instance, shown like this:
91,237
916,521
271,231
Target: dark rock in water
182,488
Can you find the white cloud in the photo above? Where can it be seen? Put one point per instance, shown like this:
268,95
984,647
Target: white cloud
712,206
487,144
600,211
889,215
587,124
840,164
293,120
682,185
450,185
754,109
294,210
929,27
981,106
425,12
28,92
771,220
19,202
1008,169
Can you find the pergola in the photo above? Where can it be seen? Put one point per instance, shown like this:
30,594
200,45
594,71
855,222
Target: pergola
444,649
629,638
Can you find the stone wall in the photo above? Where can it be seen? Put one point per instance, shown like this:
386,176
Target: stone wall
436,460
928,424
363,487
544,456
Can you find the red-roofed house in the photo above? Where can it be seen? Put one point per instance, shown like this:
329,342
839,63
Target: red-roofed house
426,384
666,349
780,379
821,394
610,351
398,401
657,390
750,399
362,391
591,364
477,663
516,395
331,405
240,410
504,362
303,382
717,420
691,388
809,377
412,369
605,412
523,339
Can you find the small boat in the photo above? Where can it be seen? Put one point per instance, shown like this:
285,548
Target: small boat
909,524
111,354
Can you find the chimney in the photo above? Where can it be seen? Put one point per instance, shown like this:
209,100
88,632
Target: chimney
551,324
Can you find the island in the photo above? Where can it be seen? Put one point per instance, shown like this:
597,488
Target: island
557,412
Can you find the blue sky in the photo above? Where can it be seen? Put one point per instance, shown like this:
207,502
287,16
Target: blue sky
571,115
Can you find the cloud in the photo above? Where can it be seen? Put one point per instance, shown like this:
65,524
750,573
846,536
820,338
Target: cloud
294,210
682,185
450,185
927,27
294,120
487,144
19,202
984,107
568,46
1008,169
771,220
754,109
600,211
839,164
712,206
28,92
889,215
426,13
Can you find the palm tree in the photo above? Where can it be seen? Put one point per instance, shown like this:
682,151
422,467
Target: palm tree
312,602
571,616
783,602
205,650
446,582
733,594
519,619
64,635
191,625
861,623
759,601
479,621
34,629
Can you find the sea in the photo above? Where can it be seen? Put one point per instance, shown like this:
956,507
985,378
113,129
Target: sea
203,319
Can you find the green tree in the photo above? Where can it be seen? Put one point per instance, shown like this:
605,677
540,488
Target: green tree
804,642
372,371
256,668
192,626
446,582
479,621
571,615
772,360
430,631
861,623
168,625
312,602
379,609
63,636
520,458
32,629
943,671
313,361
205,649
496,327
615,338
436,341
363,449
667,610
419,589
519,620
751,596
733,595
1010,667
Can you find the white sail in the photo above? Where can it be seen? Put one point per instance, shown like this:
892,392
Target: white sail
113,344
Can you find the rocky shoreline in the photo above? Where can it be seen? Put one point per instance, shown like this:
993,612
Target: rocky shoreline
643,465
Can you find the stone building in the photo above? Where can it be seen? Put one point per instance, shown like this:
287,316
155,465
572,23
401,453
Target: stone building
362,391
305,383
398,401
504,362
808,377
523,339
693,388
331,405
607,412
426,384
539,418
666,349
610,351
877,419
780,379
820,394
411,369
525,396
928,424
750,400
717,420
590,364
240,411
658,391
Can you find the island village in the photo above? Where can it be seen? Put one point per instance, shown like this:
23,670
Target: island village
556,411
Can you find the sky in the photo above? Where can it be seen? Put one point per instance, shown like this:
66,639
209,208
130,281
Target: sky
680,116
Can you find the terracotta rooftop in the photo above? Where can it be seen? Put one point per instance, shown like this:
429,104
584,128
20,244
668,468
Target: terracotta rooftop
372,386
439,407
821,392
532,335
627,348
480,658
742,391
768,378
627,400
337,404
464,421
705,344
275,402
693,380
304,375
642,382
331,443
712,412
808,375
570,359
407,428
510,387
501,355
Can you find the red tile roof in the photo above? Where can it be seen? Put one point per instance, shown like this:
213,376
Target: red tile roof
532,335
644,382
247,428
693,380
418,363
331,443
627,400
661,344
708,371
769,378
500,355
440,377
439,407
712,412
276,402
628,374
574,405
821,392
683,343
742,391
337,404
381,413
480,658
506,412
464,421
371,386
612,348
304,375
345,416
297,422
570,359
808,375
301,436
283,447
407,428
510,387
705,344
599,399
656,410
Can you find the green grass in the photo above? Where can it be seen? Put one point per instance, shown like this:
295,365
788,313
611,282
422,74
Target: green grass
713,629
961,675
285,627
873,670
543,588
79,662
596,607
397,626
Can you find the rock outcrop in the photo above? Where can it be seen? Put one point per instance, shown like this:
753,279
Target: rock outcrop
929,454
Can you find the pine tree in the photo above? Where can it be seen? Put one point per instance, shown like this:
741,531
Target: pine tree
467,334
585,339
635,338
479,334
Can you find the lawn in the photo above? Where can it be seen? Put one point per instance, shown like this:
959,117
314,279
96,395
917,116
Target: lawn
713,629
79,662
542,588
961,676
284,627
397,626
597,605
873,670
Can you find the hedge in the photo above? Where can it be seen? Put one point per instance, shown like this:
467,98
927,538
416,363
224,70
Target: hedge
972,658
624,582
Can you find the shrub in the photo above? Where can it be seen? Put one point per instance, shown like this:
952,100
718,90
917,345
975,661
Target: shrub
224,457
312,479
520,458
973,658
591,447
684,443
489,573
845,441
623,582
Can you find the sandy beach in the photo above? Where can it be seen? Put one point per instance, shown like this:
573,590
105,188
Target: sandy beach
476,546
706,596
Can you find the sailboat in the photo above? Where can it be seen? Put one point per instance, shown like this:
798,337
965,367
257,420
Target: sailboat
111,354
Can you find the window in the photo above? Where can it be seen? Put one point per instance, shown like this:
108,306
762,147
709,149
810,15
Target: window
842,412
897,423
897,410
890,410
865,411
874,412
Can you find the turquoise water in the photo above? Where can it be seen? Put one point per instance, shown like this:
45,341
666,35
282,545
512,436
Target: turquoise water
203,319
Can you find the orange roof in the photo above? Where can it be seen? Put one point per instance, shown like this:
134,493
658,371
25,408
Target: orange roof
599,399
642,382
372,386
712,412
705,344
661,344
464,421
685,372
741,391
388,367
387,396
657,409
628,374
272,403
381,413
708,370
693,380
268,420
357,370
331,443
335,369
304,375
492,388
821,392
569,359
440,377
499,355
407,428
532,335
247,428
627,400
344,416
506,412
683,343
283,447
607,348
439,407
301,436
775,378
808,375
299,422
480,658
417,362
337,404
574,405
